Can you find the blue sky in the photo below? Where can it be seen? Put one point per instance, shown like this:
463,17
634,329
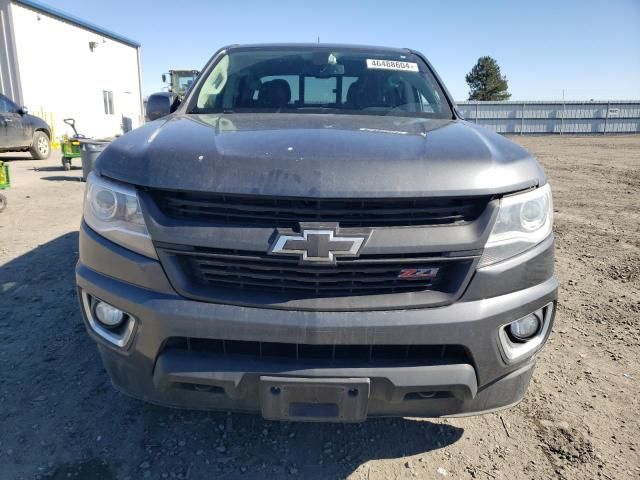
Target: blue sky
589,48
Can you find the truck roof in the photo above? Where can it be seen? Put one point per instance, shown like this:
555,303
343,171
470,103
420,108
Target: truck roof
316,46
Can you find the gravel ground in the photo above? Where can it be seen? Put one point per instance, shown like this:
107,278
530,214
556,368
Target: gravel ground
60,418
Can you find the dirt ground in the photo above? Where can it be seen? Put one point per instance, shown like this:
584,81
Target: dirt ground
60,418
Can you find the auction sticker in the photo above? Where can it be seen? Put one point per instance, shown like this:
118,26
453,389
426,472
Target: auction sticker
392,65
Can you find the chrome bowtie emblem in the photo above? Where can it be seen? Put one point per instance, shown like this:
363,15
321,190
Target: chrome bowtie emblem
318,246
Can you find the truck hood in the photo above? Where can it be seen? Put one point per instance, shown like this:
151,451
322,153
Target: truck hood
311,155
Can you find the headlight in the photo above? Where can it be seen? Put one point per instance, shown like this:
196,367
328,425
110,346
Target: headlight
524,220
113,211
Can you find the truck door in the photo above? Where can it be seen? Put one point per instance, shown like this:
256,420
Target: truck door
4,140
17,127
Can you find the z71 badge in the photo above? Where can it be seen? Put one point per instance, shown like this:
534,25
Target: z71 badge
418,273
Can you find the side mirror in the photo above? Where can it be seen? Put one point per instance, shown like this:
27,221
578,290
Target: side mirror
161,104
164,78
23,110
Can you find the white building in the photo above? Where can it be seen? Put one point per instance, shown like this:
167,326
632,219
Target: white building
59,66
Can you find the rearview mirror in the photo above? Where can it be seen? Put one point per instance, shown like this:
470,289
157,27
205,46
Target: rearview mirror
164,78
161,104
23,110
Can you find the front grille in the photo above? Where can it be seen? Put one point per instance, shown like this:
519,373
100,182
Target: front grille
366,275
351,354
254,210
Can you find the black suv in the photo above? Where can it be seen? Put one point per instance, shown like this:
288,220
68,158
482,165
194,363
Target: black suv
314,233
21,132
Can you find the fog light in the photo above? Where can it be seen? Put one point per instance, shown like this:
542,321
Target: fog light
108,315
108,322
525,327
524,337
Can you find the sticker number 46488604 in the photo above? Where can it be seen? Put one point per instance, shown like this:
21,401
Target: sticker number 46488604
392,65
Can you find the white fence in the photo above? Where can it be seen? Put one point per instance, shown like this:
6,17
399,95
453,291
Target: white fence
530,118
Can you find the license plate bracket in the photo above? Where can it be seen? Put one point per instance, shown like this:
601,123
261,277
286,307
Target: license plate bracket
314,399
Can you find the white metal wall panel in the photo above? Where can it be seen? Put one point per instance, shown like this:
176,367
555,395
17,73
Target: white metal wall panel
62,76
9,71
535,117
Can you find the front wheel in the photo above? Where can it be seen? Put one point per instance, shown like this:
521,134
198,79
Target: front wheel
3,202
66,163
41,147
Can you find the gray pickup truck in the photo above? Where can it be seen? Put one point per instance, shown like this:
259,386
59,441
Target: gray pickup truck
314,233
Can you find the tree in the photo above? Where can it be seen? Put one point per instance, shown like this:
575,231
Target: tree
486,81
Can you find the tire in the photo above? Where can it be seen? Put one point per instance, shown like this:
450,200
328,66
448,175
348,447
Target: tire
41,146
3,202
66,163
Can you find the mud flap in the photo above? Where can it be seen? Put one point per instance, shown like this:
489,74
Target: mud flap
314,399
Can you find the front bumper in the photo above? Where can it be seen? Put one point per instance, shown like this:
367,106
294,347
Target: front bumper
144,368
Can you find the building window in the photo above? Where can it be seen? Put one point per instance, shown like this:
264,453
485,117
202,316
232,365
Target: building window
107,97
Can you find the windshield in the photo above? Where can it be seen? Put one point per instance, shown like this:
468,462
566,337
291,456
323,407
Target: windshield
183,81
321,81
